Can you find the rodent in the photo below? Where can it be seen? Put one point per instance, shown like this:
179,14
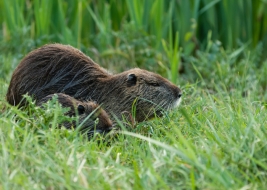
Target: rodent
57,68
87,111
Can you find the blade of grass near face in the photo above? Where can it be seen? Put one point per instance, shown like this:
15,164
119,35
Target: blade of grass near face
173,54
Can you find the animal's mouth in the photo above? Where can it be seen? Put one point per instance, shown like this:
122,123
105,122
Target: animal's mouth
169,106
177,102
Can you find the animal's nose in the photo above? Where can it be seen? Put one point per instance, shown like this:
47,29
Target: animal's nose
109,129
177,92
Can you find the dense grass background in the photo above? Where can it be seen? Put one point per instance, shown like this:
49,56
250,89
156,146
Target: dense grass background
215,50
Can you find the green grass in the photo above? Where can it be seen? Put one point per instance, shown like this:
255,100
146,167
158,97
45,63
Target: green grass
216,139
72,21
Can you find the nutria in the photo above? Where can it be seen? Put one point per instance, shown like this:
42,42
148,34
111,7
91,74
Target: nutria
57,68
91,117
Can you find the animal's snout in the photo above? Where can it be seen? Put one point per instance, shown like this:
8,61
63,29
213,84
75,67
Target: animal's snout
177,92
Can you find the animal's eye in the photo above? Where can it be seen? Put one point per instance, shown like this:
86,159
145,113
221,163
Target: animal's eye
81,109
154,84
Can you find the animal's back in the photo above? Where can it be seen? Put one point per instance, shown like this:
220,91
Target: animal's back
51,69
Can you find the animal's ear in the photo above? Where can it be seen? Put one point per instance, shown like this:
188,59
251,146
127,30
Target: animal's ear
131,80
81,109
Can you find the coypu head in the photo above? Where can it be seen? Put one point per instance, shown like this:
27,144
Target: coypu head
92,118
149,92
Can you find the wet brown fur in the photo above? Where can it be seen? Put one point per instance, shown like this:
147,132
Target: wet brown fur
56,68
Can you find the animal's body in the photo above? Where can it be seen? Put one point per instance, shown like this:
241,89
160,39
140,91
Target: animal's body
91,117
56,68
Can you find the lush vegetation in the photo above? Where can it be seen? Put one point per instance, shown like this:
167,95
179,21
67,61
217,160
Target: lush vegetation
215,50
